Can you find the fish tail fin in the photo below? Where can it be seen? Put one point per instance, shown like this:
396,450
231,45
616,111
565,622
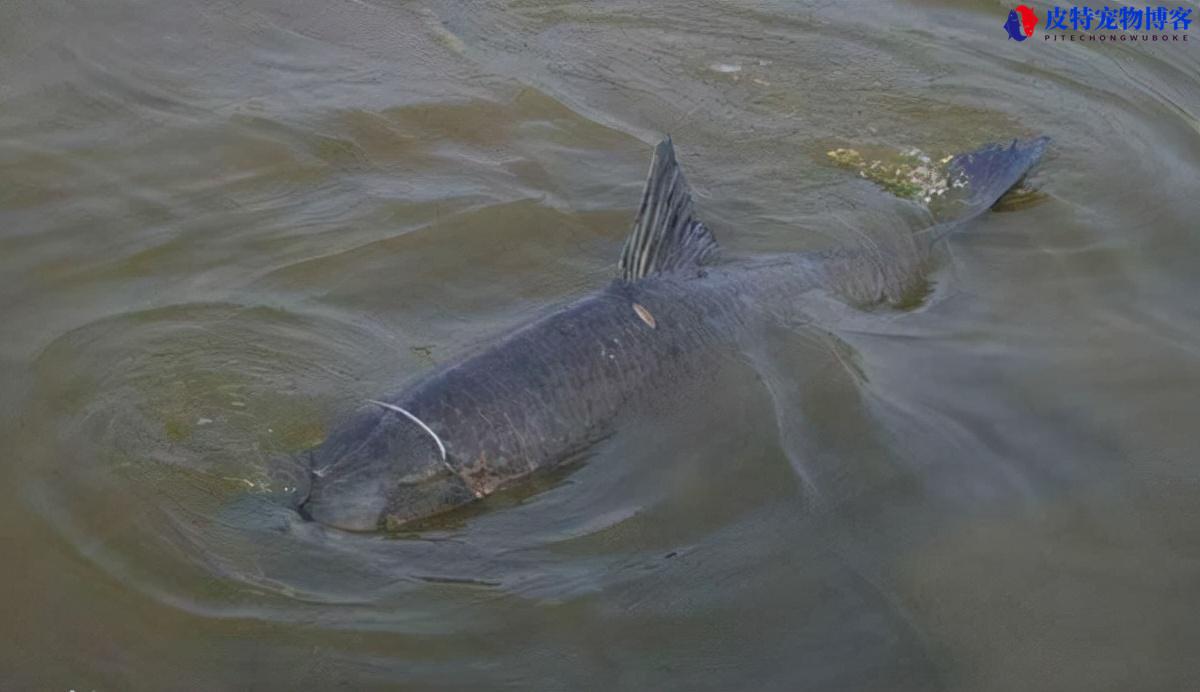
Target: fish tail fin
894,270
985,175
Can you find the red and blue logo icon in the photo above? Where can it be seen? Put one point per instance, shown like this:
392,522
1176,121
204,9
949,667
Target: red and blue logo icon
1021,22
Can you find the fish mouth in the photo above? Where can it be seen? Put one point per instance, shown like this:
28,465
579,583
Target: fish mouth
301,505
291,481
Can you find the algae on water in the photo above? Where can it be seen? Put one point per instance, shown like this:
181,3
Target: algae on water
911,174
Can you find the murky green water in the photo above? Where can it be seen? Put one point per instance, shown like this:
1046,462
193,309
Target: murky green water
223,224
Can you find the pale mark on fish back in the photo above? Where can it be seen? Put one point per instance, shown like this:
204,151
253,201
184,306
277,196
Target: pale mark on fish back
645,315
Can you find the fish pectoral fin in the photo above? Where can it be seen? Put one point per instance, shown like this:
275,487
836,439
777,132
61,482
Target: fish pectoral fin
666,236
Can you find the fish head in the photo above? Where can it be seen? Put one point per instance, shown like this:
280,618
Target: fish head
379,470
289,479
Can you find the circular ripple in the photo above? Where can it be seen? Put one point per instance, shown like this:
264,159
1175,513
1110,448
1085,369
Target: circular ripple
165,421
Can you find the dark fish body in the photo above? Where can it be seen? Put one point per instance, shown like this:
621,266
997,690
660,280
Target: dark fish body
557,385
548,390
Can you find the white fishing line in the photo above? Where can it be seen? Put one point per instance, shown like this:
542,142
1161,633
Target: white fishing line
411,417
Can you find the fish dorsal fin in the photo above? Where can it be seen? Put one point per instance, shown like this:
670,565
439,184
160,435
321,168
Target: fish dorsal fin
665,236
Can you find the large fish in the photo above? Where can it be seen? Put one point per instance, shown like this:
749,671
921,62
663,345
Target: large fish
551,388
